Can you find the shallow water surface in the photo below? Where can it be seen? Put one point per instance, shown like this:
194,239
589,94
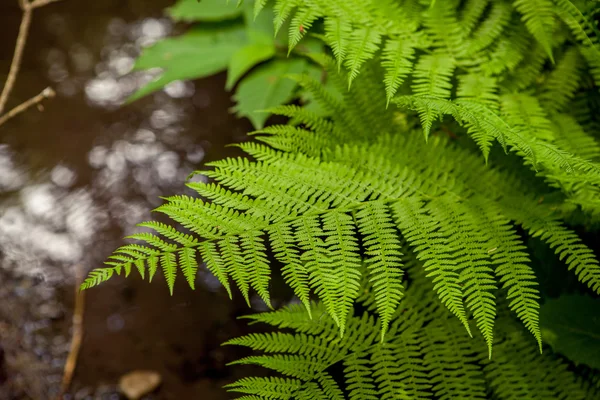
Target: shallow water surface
77,176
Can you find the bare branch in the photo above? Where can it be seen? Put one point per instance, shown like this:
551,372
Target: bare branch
40,3
15,65
77,333
47,93
16,61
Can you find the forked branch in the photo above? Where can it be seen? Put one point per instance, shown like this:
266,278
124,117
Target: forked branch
27,6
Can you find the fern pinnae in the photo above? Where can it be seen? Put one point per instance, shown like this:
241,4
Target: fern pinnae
524,113
539,20
214,263
562,82
169,267
189,265
330,386
490,29
344,262
359,382
583,29
300,23
420,231
571,136
293,271
152,267
337,30
170,232
283,9
476,274
235,264
139,265
511,262
362,45
540,222
258,6
269,387
397,59
316,256
451,361
258,269
479,88
153,240
382,247
471,13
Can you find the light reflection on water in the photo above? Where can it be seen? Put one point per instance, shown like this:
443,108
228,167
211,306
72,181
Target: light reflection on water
46,222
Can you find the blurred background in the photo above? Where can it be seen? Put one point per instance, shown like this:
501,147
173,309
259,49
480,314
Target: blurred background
75,177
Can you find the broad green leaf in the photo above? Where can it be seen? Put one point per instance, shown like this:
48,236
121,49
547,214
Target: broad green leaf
246,58
196,54
263,22
204,10
265,88
571,325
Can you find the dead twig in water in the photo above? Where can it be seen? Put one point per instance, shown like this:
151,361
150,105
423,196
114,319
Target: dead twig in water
47,93
78,310
27,6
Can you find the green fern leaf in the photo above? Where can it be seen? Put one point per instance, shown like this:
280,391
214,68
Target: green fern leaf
384,259
420,231
397,59
258,268
362,45
538,17
337,32
294,271
152,267
169,267
189,265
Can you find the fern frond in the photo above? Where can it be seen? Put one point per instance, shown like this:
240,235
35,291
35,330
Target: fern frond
421,233
479,88
470,246
362,45
339,193
538,16
294,271
300,23
337,33
562,82
525,114
214,263
397,59
169,267
382,248
570,136
491,29
425,356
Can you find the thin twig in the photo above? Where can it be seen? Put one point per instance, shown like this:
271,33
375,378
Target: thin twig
71,362
19,47
47,93
15,65
40,3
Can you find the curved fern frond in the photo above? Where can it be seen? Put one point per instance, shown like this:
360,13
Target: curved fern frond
425,355
538,17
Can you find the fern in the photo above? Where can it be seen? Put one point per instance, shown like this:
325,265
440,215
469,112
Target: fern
395,245
426,356
317,207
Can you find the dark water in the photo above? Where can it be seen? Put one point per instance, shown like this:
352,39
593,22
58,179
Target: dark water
74,179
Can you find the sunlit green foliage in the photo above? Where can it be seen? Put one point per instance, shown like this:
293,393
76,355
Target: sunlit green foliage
439,139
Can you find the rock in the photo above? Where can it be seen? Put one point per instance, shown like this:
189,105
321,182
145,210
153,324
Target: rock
138,383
